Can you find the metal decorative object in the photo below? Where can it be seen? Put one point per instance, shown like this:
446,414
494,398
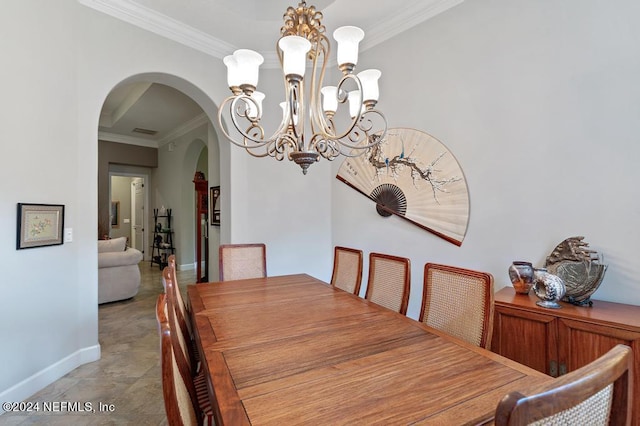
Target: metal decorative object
302,46
549,288
414,176
580,268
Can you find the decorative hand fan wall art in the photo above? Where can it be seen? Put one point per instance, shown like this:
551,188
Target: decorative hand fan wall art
413,175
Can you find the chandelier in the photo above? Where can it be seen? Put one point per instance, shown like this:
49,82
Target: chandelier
308,129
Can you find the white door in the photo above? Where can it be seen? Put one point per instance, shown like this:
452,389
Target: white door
137,214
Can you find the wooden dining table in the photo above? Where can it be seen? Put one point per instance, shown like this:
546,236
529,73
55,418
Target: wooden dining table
291,350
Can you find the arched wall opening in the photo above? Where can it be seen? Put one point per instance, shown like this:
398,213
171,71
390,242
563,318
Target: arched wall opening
171,181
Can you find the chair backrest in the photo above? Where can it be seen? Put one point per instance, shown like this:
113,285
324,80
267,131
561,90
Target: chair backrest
600,393
389,281
183,314
179,333
347,269
459,302
242,261
177,390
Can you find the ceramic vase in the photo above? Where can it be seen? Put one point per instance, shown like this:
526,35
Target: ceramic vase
548,287
521,276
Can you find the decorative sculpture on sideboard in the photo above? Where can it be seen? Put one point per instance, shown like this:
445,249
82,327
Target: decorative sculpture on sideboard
580,268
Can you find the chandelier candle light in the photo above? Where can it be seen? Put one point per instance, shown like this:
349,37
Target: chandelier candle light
302,45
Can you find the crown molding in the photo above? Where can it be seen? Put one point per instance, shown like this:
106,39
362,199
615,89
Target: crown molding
181,130
185,128
130,140
165,26
162,25
406,19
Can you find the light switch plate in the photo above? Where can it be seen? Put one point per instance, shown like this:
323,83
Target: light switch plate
68,235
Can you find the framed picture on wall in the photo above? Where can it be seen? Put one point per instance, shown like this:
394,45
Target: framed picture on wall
215,205
115,214
39,225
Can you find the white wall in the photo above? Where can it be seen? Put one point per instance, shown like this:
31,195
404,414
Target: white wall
539,102
213,150
48,308
174,189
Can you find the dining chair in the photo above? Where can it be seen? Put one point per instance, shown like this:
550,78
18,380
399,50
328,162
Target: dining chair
347,269
459,302
389,281
242,261
183,312
180,335
186,401
599,393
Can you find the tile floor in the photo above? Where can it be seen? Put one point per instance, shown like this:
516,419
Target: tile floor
128,374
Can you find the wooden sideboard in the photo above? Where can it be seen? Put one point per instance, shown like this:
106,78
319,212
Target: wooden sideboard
556,341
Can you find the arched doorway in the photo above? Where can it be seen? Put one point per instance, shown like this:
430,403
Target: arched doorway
170,182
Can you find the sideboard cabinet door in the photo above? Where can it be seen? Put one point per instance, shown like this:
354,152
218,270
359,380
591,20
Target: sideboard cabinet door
526,337
581,342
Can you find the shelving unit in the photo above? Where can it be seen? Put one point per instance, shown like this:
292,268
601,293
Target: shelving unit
162,238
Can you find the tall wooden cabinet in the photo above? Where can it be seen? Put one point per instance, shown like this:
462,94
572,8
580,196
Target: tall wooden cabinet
556,341
202,227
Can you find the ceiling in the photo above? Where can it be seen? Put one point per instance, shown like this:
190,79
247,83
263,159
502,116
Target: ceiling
218,27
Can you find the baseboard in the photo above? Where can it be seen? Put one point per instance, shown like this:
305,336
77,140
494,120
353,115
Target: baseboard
189,266
45,377
186,267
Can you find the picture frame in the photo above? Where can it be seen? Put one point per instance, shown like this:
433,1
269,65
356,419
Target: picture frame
213,199
39,225
115,214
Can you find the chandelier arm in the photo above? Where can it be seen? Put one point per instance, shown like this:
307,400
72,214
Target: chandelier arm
342,100
317,118
282,127
276,148
332,148
232,100
280,146
291,91
286,116
358,151
250,148
374,137
295,98
285,140
326,148
261,142
270,151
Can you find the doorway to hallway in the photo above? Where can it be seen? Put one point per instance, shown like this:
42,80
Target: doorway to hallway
128,192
